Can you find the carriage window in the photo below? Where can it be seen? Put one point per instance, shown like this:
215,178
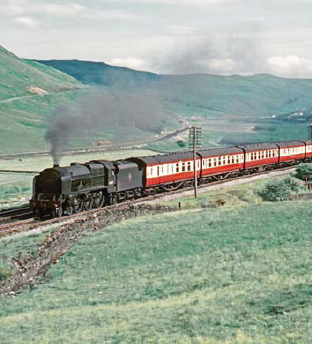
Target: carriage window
183,166
228,160
177,168
189,166
219,161
209,162
237,159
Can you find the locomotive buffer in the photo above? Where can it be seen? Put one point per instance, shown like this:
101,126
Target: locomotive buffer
194,142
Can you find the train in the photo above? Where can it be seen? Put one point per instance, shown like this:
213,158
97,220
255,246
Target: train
58,191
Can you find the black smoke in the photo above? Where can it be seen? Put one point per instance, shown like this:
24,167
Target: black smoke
99,108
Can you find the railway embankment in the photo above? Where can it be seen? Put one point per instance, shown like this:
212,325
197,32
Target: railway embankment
58,242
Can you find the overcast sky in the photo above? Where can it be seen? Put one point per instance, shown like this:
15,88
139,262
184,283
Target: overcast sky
165,36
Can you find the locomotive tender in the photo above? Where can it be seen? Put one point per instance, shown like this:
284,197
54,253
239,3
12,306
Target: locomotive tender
70,189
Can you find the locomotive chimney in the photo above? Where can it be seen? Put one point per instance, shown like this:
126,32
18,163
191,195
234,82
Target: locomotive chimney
56,165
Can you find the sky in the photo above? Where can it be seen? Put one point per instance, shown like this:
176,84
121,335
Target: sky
166,36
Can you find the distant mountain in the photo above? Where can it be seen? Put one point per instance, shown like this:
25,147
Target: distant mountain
28,93
100,73
242,96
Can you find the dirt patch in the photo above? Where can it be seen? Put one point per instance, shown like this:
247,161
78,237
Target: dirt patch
37,90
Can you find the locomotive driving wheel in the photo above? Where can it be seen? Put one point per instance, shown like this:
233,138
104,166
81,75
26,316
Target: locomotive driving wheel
88,204
77,207
99,200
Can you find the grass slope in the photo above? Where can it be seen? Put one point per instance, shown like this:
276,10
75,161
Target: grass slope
17,74
226,275
23,114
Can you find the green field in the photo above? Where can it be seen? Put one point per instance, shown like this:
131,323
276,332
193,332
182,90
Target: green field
223,275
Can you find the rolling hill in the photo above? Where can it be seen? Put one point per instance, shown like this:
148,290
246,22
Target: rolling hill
28,93
247,96
100,73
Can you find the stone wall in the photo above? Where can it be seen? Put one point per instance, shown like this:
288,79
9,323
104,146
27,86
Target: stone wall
59,241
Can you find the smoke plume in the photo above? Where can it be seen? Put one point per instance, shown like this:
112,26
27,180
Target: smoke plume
244,53
97,109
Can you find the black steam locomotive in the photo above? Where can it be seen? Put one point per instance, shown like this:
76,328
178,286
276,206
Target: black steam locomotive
78,187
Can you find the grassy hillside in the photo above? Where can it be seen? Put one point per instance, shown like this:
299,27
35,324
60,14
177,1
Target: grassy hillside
17,74
217,276
28,93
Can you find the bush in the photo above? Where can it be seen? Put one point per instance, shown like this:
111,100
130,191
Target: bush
304,171
279,190
181,143
292,184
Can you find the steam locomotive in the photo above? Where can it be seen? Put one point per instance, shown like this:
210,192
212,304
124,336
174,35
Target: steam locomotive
71,189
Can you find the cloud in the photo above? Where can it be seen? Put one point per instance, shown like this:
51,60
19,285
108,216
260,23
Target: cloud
130,62
290,66
77,11
13,7
182,30
173,2
29,8
26,22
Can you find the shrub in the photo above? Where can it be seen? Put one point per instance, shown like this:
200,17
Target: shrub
292,184
304,171
279,190
181,143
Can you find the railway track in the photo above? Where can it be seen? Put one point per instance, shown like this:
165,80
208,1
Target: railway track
15,214
13,223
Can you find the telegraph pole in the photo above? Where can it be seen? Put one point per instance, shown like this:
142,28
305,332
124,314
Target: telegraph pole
310,131
195,141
